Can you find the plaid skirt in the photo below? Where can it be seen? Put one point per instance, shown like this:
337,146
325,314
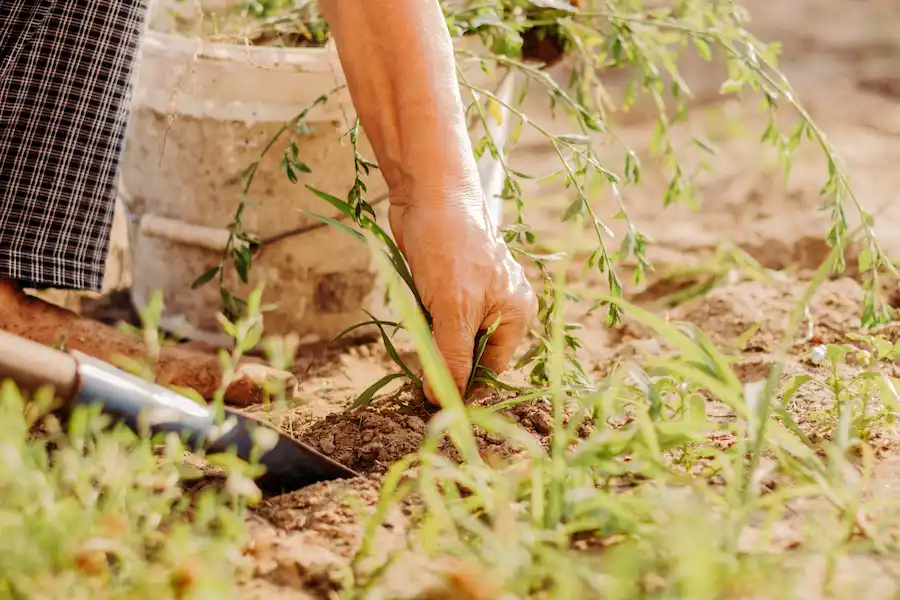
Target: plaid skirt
65,75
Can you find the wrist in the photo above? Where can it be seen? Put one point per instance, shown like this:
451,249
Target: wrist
449,192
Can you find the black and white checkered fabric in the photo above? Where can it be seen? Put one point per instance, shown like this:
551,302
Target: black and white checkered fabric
65,74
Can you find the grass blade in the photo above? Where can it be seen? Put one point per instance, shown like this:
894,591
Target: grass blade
370,391
332,200
482,344
392,352
364,324
336,224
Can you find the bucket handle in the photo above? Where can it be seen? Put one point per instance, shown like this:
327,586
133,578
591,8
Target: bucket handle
216,239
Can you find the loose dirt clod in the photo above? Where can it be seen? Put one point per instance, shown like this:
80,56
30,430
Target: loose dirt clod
325,512
370,439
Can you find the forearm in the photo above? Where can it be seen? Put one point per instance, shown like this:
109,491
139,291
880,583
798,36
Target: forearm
398,59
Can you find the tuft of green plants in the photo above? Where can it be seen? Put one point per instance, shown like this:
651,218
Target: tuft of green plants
862,392
641,492
91,509
92,512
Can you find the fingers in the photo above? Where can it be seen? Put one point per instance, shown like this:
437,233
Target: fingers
455,339
503,343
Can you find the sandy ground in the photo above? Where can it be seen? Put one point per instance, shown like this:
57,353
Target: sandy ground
843,62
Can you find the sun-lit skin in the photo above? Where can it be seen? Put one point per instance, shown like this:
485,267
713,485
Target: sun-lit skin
402,78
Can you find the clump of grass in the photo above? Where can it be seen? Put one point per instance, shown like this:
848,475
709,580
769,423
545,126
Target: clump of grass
93,512
659,500
91,509
863,394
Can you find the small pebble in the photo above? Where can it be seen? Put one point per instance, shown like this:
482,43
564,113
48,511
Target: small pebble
586,429
542,422
493,438
326,444
818,354
371,450
368,435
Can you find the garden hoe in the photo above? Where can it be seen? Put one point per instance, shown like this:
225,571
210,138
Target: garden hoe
81,380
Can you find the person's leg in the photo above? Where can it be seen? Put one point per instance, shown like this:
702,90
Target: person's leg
65,72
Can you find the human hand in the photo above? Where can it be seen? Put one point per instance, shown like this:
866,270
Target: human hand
466,277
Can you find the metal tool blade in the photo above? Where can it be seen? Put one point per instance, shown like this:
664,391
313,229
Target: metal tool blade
142,405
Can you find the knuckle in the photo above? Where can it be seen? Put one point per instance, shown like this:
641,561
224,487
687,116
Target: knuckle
456,358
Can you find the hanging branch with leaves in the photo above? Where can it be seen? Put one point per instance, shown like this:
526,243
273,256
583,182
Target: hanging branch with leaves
525,36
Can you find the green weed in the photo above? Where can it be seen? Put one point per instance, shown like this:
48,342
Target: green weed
89,512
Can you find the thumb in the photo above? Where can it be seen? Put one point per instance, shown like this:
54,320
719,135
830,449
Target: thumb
455,340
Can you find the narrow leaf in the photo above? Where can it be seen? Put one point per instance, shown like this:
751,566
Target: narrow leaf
575,139
337,224
339,204
205,278
370,391
364,324
392,352
482,345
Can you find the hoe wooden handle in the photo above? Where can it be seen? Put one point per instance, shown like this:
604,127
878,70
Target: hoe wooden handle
32,365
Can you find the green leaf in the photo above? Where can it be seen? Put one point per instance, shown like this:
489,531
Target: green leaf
592,123
702,48
242,259
364,324
576,208
336,224
574,139
785,417
367,164
793,385
703,144
864,260
480,146
479,353
392,352
232,463
366,207
837,353
288,169
205,278
495,110
731,86
234,306
339,204
370,391
697,408
529,356
302,167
